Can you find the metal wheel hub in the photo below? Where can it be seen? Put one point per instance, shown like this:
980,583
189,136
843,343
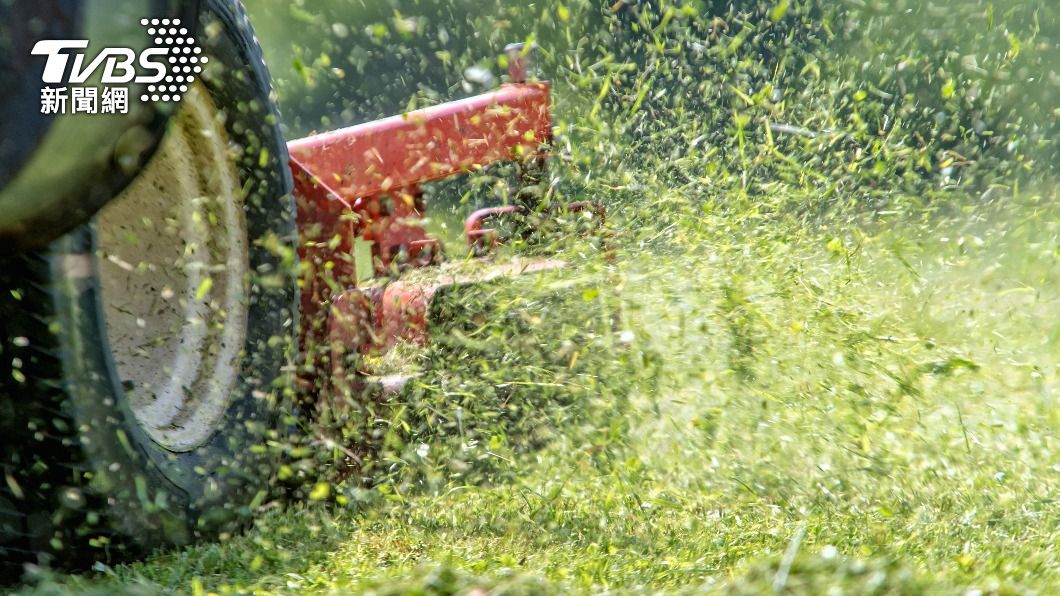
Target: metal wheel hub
173,269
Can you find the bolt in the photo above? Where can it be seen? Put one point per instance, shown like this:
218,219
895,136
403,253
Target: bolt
520,61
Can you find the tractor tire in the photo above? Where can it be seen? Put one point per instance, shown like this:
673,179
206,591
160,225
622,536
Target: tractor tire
143,357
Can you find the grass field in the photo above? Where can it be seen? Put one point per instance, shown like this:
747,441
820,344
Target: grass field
873,411
836,370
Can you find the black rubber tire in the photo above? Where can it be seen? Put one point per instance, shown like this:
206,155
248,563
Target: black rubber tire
80,481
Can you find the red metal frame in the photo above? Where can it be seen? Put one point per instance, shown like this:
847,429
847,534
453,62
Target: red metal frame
362,184
403,151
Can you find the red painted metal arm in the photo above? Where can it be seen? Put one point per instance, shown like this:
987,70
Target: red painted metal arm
341,178
361,185
403,151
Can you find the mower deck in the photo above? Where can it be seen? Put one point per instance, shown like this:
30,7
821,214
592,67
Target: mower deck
360,186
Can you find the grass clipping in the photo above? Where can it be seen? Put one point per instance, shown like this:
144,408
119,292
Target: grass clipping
511,363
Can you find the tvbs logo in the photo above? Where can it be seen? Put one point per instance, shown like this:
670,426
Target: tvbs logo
168,68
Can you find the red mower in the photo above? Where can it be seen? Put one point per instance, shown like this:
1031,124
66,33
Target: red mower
177,275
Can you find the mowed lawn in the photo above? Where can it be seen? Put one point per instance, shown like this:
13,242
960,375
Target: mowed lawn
865,408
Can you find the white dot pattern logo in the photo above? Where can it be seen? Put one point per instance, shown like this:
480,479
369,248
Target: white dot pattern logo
183,56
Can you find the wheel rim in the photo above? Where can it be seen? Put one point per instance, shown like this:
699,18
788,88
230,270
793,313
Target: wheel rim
173,264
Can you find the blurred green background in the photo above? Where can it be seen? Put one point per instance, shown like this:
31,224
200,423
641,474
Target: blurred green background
893,84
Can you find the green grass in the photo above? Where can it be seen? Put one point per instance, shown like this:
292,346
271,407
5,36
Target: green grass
872,411
837,364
